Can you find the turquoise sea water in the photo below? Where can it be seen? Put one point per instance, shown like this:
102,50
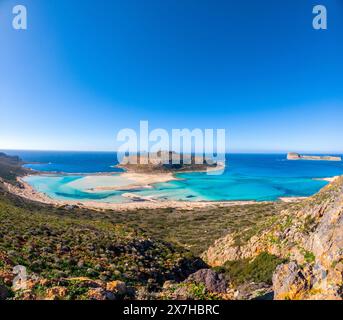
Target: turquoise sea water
246,177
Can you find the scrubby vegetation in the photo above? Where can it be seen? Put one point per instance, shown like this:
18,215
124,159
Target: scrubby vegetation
76,253
197,229
58,246
259,270
60,243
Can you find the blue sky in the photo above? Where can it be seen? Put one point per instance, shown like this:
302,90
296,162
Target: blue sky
85,69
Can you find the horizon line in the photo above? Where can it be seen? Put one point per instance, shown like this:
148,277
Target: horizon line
227,152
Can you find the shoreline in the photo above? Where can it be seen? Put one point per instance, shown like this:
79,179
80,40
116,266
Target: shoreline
331,179
29,193
140,181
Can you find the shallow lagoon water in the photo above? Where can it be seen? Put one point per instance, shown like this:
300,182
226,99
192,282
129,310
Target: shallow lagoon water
258,177
72,188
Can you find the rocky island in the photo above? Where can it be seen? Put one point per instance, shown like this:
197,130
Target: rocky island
167,161
297,156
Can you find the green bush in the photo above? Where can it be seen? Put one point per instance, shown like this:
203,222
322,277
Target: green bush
259,270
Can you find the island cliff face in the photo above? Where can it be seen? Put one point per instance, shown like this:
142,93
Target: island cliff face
309,235
164,161
297,156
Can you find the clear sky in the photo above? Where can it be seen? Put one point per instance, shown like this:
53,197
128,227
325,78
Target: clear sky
85,69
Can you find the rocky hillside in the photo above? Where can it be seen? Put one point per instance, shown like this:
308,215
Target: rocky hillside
308,235
11,168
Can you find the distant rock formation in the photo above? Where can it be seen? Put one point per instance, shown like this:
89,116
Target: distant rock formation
297,156
165,161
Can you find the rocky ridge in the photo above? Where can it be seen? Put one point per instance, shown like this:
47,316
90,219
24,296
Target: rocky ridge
309,235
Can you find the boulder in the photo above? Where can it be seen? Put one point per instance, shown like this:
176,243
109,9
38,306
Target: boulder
213,281
118,287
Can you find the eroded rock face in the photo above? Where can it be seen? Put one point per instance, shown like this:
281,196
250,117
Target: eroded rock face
308,234
322,261
327,240
213,281
289,282
222,250
201,285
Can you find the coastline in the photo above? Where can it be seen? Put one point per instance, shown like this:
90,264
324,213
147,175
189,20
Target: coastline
134,201
331,179
292,199
28,192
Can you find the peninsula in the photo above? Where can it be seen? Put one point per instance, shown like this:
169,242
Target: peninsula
297,156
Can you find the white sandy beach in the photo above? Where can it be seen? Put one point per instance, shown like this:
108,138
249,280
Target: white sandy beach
332,179
292,199
128,181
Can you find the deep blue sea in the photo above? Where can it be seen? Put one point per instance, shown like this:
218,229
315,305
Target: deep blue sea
247,177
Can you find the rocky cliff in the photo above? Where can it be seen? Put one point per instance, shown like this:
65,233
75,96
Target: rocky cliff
309,235
166,161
